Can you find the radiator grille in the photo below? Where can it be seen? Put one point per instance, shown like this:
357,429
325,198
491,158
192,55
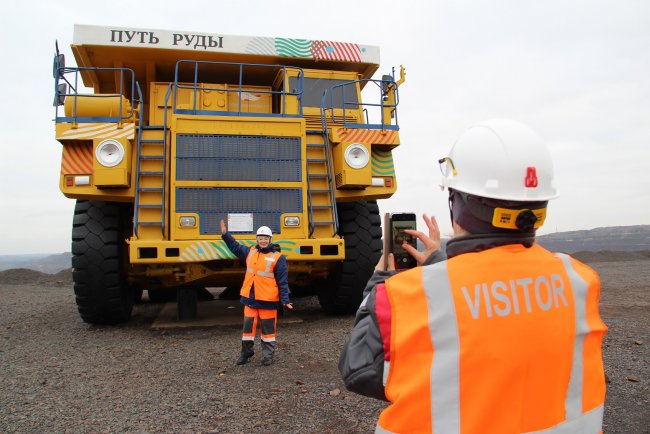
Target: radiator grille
213,204
211,157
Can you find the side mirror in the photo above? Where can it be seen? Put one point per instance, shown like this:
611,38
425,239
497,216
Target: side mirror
59,96
385,82
59,62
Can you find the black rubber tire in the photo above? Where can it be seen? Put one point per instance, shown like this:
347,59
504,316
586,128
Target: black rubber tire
186,303
360,227
99,261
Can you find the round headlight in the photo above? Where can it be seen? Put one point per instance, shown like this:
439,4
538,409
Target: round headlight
109,153
357,156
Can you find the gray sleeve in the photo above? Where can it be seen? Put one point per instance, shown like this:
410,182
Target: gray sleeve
361,363
377,277
437,256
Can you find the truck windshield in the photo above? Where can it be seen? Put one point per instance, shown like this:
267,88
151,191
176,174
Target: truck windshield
314,88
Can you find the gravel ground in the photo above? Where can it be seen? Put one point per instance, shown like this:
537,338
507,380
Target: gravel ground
58,374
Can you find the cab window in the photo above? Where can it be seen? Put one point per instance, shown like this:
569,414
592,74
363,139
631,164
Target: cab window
314,88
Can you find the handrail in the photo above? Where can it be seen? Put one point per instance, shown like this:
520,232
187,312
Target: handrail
137,173
62,72
330,174
164,163
383,85
240,90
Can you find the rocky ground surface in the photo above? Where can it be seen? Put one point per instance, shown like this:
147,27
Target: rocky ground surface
58,374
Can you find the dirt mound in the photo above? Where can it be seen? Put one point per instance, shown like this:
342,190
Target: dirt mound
25,276
63,277
611,256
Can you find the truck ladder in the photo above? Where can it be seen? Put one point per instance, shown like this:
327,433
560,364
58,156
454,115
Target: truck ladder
321,196
149,221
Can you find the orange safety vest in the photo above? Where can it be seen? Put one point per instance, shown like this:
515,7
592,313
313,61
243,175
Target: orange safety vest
259,271
507,340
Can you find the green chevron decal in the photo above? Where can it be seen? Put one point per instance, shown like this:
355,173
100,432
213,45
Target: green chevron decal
382,163
222,248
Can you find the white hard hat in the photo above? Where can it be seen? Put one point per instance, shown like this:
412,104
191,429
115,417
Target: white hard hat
500,159
265,230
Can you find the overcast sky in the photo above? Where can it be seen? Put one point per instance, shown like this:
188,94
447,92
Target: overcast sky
578,72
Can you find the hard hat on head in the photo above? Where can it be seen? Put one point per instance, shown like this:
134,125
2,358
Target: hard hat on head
265,230
500,159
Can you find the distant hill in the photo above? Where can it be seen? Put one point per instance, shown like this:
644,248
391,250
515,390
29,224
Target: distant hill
611,238
49,264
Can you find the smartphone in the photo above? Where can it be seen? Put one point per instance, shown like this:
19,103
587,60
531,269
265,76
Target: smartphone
395,235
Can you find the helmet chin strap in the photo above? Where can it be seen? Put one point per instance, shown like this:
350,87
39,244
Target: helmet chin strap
450,201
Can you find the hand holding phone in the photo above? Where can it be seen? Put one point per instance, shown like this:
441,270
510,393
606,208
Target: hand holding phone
431,242
395,236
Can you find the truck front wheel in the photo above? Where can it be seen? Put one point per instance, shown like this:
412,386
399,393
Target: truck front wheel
360,227
99,261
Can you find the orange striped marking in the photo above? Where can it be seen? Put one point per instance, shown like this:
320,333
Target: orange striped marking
386,137
77,159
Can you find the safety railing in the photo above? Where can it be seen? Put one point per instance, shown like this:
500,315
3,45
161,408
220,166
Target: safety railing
330,184
242,91
336,98
93,107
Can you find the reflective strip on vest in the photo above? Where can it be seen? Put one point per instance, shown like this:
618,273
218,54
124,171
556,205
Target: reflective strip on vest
573,404
589,422
380,430
445,369
269,264
384,377
251,252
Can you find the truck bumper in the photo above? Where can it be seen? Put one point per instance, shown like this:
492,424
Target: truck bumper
195,251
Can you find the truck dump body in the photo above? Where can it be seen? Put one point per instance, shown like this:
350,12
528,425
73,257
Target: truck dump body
182,130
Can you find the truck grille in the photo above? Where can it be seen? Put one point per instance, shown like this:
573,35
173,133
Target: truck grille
213,204
212,157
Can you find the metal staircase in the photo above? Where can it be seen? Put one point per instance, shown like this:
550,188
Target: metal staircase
321,196
149,221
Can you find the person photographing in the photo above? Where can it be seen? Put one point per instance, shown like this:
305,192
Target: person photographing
496,334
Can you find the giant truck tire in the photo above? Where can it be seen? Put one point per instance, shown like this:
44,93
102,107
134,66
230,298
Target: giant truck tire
360,227
99,261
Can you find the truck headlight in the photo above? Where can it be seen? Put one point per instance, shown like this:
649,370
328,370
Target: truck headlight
187,221
109,153
357,156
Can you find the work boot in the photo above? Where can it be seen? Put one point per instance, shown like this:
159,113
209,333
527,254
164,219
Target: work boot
268,349
246,352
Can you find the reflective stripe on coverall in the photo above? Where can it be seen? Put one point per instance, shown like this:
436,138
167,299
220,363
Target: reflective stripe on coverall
512,345
259,274
268,319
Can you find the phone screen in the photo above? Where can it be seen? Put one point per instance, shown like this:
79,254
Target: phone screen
399,223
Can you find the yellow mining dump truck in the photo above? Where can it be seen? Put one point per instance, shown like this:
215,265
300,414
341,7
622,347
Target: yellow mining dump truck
165,133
